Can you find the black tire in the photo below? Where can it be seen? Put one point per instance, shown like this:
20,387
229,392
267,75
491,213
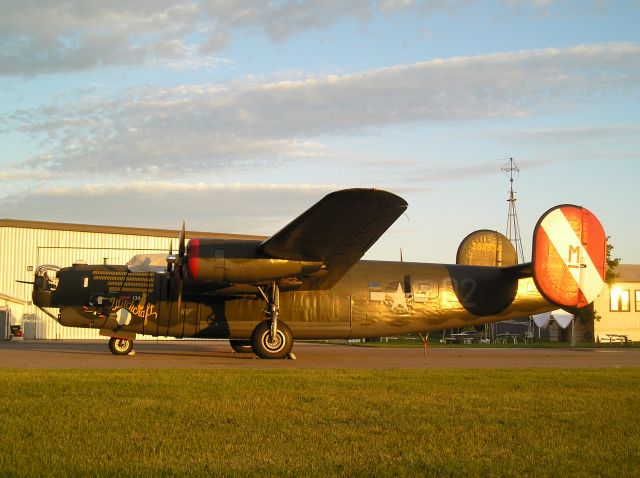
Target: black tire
265,348
120,346
241,346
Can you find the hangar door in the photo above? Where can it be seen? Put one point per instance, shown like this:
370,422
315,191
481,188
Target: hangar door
4,323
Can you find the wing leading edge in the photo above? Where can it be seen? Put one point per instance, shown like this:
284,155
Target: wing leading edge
337,231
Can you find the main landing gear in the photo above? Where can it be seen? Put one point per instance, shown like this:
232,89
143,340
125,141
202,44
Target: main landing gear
120,346
272,339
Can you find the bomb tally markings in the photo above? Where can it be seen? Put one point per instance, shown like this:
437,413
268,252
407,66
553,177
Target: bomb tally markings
122,281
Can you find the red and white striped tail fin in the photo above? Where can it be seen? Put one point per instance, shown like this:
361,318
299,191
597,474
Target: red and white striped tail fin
569,256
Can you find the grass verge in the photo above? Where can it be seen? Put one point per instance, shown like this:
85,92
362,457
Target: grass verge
319,422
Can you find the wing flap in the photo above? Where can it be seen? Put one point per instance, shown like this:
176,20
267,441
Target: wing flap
337,230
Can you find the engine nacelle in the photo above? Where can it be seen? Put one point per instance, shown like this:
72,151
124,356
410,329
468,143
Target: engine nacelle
239,262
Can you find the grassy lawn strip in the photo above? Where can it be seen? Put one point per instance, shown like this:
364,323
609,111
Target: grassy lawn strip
319,422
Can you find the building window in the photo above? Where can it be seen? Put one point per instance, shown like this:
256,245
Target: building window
619,300
638,301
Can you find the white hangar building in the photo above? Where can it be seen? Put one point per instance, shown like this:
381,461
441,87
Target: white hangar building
24,245
619,306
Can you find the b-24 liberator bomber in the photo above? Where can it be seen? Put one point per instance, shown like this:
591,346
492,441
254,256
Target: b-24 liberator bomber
307,281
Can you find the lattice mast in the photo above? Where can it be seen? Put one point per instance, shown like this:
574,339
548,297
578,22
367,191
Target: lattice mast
513,228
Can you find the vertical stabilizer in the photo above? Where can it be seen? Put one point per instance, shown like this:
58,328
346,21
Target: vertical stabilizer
569,256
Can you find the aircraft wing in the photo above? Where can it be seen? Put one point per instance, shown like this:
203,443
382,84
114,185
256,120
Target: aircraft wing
337,231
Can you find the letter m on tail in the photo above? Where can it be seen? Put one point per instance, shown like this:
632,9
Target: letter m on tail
569,256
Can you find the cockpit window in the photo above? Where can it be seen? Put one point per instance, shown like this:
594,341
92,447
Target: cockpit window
47,277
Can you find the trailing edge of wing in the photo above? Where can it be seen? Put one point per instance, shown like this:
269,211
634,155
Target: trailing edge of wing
337,230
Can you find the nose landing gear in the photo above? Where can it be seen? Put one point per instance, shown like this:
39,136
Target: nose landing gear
120,346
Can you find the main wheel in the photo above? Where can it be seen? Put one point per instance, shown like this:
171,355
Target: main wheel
241,346
120,346
267,347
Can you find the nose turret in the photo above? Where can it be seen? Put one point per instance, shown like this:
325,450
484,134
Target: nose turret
44,285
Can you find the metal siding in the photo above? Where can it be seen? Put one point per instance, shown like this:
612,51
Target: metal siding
625,323
23,247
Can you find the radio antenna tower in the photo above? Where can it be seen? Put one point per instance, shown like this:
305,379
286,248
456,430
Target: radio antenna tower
513,228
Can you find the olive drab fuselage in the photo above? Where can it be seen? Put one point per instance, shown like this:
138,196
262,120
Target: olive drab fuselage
372,299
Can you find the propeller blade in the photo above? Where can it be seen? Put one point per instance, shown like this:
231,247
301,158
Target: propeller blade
179,299
175,267
181,245
170,258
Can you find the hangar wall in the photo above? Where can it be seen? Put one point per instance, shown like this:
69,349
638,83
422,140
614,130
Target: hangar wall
26,244
619,305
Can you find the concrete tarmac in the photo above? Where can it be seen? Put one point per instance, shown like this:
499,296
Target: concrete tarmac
67,354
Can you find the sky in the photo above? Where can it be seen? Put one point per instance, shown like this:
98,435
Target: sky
236,116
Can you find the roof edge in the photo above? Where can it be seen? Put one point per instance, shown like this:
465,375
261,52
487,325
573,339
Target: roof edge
8,298
125,230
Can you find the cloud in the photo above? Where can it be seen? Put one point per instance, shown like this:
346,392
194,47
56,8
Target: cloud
207,128
436,174
45,37
234,208
52,37
586,134
596,143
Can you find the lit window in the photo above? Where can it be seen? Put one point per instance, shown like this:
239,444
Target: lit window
619,300
638,301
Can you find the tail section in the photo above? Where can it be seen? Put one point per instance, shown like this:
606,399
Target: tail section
569,256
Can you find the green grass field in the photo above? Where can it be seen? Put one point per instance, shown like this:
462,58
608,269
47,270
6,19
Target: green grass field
546,422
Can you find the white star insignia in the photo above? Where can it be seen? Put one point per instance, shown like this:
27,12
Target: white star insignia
398,298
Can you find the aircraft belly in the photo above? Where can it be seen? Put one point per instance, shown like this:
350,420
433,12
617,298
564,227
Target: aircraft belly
309,315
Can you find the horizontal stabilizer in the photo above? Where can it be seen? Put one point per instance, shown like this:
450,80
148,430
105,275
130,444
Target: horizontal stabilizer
336,231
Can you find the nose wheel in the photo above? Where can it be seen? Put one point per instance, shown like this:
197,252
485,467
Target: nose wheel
120,346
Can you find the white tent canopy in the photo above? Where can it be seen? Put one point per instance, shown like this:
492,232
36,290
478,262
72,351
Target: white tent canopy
562,318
